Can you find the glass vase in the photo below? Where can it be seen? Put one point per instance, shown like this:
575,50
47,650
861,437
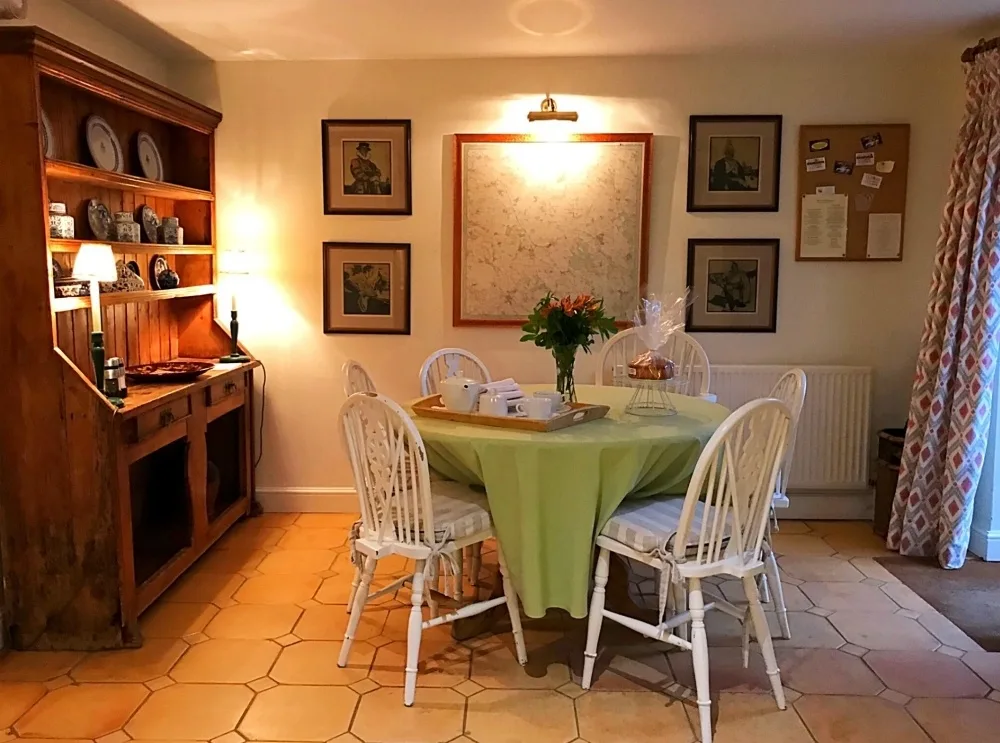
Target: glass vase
565,357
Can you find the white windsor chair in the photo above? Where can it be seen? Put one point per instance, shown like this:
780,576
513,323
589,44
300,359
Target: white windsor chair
690,359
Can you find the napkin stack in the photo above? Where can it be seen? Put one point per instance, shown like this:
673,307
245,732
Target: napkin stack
508,389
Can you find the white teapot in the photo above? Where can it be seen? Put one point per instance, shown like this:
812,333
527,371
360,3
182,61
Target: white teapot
460,394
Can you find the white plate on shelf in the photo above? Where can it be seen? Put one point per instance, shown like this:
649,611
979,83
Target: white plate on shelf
48,140
104,145
150,161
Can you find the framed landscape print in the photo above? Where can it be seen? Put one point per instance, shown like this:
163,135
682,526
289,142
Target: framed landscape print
734,164
366,166
533,216
734,284
366,288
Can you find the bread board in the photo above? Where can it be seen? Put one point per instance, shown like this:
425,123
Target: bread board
432,407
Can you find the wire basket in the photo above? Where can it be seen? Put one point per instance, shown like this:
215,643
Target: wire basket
651,397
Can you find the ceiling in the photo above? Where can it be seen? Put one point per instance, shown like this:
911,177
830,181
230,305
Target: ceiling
418,29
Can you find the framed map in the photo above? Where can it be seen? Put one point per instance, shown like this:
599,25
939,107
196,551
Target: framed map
569,217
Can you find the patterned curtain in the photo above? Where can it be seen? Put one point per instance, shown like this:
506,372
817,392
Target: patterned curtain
950,410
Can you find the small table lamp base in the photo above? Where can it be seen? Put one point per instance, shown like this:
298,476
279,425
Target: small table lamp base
234,356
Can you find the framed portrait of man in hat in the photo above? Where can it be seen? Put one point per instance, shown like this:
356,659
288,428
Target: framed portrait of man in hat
366,166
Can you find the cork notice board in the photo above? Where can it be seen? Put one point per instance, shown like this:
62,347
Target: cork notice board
852,192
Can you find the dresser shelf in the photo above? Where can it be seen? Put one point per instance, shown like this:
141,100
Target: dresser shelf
65,304
74,172
73,246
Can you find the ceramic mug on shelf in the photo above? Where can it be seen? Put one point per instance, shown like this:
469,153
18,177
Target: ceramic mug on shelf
536,408
492,404
555,398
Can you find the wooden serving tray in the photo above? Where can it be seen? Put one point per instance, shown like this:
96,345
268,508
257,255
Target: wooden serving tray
432,407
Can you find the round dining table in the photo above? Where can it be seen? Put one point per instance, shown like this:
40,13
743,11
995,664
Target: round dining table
551,493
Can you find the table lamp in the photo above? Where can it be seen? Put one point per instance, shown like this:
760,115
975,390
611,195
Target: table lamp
94,263
234,263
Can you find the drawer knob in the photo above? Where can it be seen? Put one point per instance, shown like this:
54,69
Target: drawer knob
166,417
230,388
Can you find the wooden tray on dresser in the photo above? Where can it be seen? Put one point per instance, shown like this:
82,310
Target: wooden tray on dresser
432,407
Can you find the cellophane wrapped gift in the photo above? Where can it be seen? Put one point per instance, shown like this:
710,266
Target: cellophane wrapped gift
655,320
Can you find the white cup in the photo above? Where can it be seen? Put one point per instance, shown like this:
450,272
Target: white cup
492,404
536,408
555,398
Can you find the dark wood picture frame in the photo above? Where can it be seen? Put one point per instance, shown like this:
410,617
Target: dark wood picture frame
773,204
328,325
405,124
691,326
457,213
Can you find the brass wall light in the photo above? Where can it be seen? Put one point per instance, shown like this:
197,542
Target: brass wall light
548,112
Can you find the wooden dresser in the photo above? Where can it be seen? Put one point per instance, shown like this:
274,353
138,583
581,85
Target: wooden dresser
101,509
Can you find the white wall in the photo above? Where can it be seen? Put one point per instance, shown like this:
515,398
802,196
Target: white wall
79,28
269,182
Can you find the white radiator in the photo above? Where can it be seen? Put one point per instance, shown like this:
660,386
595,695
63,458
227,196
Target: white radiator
831,446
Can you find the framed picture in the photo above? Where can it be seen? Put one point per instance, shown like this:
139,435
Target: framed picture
366,288
734,284
532,217
366,166
734,164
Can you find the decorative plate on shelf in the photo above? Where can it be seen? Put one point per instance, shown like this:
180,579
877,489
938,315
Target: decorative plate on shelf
103,144
149,157
165,372
150,223
48,140
99,219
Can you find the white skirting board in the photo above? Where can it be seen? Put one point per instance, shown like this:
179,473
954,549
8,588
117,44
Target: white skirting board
985,544
817,505
307,500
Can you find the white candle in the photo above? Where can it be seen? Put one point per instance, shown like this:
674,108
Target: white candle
232,302
95,307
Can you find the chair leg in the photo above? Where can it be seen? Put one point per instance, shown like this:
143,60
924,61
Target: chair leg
458,578
476,565
699,653
679,594
513,608
778,593
354,584
360,597
763,589
435,581
596,617
413,631
763,632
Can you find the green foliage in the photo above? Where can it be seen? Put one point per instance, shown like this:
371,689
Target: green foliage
568,323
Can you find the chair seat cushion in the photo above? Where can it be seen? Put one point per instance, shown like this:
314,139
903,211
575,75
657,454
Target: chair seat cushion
650,524
459,511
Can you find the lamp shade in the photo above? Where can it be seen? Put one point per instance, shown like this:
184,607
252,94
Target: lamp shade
95,262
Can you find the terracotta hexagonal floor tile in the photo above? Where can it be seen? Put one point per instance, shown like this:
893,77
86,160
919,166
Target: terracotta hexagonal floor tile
751,718
947,633
247,536
84,711
820,569
203,588
253,622
848,597
329,622
630,668
824,671
229,561
274,519
923,673
297,562
300,713
495,666
154,659
859,543
436,715
168,620
789,526
833,719
16,699
277,590
326,520
441,663
726,670
336,589
987,665
957,720
322,538
906,598
808,631
882,631
872,569
226,661
508,716
647,717
190,712
315,662
37,666
800,544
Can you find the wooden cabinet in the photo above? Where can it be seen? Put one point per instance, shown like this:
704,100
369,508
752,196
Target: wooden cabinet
101,509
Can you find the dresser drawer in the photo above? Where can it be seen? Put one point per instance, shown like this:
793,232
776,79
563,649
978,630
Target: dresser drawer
148,423
224,389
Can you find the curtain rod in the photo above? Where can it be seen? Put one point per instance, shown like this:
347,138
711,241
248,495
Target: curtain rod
982,47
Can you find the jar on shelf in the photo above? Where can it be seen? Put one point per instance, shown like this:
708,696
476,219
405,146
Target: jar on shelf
61,225
126,228
169,227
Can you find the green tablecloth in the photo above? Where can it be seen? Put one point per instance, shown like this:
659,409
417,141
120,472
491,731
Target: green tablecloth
551,493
